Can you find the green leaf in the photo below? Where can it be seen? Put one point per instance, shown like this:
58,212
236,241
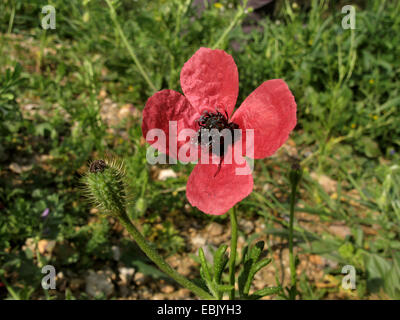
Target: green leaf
392,279
7,96
377,267
254,269
220,261
247,274
205,273
245,251
69,295
261,264
265,292
346,251
204,266
256,250
243,276
224,287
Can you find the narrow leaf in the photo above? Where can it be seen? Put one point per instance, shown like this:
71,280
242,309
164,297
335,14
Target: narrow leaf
260,264
220,261
204,265
265,292
224,287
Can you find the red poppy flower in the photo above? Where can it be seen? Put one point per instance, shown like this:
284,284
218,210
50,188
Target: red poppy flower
210,83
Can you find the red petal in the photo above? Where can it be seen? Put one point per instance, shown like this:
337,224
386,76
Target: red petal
165,106
216,194
271,111
210,81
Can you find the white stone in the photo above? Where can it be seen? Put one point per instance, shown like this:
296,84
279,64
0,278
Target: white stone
166,173
126,274
198,241
98,282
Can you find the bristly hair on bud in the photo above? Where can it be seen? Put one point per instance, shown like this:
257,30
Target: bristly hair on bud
97,166
104,185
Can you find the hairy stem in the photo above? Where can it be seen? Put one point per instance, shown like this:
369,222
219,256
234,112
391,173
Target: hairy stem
232,257
292,262
11,21
237,17
159,261
129,47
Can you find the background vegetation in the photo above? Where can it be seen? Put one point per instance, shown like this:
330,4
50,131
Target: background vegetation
73,94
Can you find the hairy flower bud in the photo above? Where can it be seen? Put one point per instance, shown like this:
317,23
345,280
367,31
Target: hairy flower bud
104,185
295,174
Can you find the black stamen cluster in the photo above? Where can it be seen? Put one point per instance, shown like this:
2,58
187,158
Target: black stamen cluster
215,141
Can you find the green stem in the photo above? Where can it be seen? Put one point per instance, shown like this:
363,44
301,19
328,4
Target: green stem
291,256
11,21
129,47
237,17
159,261
232,257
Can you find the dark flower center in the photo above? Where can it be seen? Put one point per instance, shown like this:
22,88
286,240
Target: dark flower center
212,133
